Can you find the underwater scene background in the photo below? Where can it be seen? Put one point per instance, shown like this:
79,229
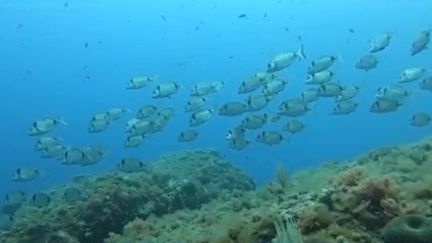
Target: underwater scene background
72,60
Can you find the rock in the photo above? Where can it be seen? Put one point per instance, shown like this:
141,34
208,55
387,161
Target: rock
408,228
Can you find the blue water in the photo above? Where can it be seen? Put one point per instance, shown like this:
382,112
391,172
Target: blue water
44,67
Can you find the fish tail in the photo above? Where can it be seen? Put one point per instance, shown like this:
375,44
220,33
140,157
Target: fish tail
62,121
301,53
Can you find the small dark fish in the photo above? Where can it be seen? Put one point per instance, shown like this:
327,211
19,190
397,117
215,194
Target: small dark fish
164,18
351,31
29,72
73,194
86,44
242,16
265,15
88,76
286,29
40,200
66,4
20,26
231,57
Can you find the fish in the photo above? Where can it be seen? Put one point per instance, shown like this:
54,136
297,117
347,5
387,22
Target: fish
200,116
73,194
285,59
93,155
158,123
293,108
116,112
130,165
384,106
140,127
367,62
251,84
393,92
133,141
258,102
241,16
320,77
165,90
233,109
421,43
348,92
309,95
321,64
380,42
253,122
344,107
411,74
239,143
206,88
166,112
139,82
45,125
330,90
100,116
188,136
235,133
274,87
98,126
73,156
6,221
272,117
420,119
146,111
54,151
270,138
40,200
294,126
15,197
47,141
426,84
195,103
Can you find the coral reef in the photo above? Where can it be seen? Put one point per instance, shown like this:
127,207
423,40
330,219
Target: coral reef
198,196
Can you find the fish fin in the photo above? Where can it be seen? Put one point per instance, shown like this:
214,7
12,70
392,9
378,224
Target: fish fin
301,53
62,121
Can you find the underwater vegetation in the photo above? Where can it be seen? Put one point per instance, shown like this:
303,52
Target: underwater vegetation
199,196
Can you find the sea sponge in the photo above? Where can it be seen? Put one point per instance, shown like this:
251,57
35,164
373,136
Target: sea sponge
408,228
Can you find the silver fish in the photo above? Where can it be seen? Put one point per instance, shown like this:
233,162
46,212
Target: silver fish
384,106
40,200
322,63
258,102
165,90
195,103
380,42
293,108
206,88
116,112
411,74
394,92
420,119
270,137
100,116
255,82
235,133
426,84
54,151
274,87
6,221
200,116
285,59
133,141
93,155
97,126
146,111
73,194
309,95
320,77
272,117
130,165
233,109
344,108
348,92
44,142
330,90
238,143
294,126
367,62
139,82
421,43
45,125
253,122
73,156
188,136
